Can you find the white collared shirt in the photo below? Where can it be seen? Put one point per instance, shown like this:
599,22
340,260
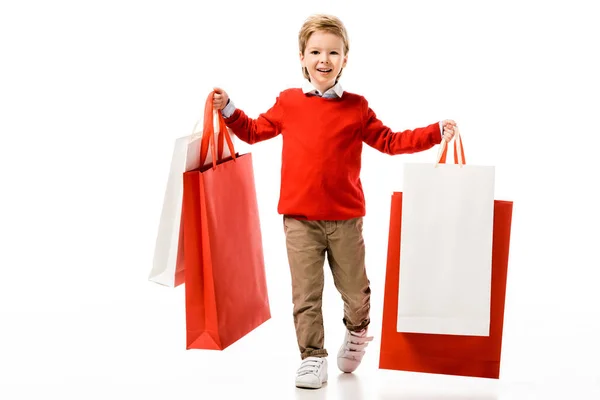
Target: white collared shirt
335,91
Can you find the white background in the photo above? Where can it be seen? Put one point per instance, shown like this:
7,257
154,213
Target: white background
93,95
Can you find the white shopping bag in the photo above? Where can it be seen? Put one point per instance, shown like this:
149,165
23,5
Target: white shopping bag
167,268
446,247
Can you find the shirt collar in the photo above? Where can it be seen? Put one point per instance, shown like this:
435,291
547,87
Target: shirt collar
335,91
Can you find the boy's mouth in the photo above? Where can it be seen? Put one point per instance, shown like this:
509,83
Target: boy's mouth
323,70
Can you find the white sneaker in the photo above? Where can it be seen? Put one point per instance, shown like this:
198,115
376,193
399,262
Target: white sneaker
352,350
312,373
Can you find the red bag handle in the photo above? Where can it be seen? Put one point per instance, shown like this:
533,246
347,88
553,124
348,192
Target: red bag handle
208,134
459,158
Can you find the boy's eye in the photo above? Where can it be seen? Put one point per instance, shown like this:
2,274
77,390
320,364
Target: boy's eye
334,52
314,52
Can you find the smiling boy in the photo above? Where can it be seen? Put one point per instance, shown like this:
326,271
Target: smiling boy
321,196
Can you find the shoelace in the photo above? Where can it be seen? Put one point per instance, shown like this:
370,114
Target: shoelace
310,366
355,346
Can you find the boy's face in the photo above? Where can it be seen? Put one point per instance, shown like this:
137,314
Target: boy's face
324,58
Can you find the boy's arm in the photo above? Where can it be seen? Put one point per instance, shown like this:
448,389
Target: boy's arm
382,138
266,126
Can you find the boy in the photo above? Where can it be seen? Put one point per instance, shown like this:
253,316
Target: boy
321,196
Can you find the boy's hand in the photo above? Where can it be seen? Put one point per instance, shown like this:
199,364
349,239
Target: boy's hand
220,99
449,126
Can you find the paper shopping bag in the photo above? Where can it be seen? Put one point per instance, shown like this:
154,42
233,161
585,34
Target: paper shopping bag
446,246
168,268
474,356
225,284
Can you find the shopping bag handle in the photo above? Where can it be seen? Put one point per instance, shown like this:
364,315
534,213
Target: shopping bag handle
459,151
214,123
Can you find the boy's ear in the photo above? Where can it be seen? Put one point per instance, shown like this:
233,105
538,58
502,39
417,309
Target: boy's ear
345,61
301,58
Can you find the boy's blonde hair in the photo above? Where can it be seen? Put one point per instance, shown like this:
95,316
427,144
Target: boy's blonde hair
325,23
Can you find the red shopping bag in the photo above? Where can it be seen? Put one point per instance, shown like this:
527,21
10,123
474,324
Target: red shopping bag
225,284
475,356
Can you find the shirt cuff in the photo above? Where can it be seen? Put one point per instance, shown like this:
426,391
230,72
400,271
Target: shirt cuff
442,129
228,110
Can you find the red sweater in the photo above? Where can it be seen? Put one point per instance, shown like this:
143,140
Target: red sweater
322,146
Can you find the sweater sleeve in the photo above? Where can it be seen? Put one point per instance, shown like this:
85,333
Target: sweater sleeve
266,126
382,138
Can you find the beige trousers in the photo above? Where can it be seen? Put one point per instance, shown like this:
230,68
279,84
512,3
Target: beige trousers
308,242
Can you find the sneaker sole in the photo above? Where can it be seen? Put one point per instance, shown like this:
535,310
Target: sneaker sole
309,386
